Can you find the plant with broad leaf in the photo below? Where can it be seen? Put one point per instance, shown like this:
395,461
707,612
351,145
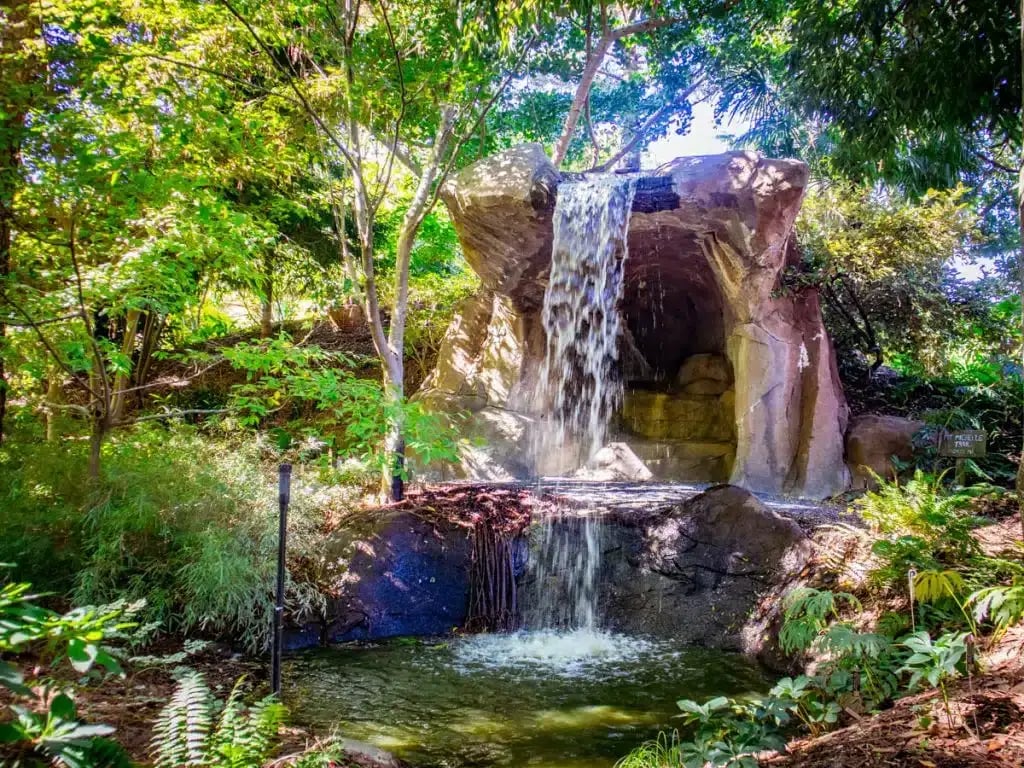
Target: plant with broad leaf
44,720
1002,605
725,732
935,661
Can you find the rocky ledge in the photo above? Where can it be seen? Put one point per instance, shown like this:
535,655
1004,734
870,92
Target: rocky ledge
705,569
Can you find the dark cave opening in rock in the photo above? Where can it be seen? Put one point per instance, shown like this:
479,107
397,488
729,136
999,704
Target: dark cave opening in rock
671,303
678,410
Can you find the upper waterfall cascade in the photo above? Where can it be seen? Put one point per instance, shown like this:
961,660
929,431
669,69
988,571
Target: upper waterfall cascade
580,382
579,377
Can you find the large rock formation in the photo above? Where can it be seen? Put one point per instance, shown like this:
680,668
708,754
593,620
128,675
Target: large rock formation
710,570
727,377
401,575
699,571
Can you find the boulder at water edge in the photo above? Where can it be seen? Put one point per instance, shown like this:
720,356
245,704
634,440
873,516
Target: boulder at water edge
399,574
700,571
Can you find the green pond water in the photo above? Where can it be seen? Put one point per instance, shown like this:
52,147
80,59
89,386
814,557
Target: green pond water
543,699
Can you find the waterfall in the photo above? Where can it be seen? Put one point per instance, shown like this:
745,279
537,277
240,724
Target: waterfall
580,383
580,386
565,561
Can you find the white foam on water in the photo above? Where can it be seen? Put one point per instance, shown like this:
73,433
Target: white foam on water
579,652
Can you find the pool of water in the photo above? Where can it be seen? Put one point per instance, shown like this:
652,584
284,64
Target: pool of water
543,699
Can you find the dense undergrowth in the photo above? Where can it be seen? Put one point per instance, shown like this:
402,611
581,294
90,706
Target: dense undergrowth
42,724
932,599
182,519
986,394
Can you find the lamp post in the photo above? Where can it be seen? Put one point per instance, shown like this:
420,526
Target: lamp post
284,487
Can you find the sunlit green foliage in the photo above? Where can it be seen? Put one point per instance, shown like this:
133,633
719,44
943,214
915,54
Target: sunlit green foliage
310,393
886,268
920,525
195,729
183,520
41,718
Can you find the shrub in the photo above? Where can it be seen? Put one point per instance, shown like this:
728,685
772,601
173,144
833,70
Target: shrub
42,718
305,391
921,526
183,520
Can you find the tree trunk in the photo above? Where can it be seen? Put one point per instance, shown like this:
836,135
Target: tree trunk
394,380
393,481
123,380
1020,269
151,331
267,301
593,65
54,399
581,97
5,270
96,435
19,69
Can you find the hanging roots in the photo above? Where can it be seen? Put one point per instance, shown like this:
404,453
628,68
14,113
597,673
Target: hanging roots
499,518
496,519
493,606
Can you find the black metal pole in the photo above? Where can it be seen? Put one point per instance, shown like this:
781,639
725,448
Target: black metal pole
284,487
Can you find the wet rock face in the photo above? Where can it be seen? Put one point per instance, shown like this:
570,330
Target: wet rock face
710,570
700,570
708,240
401,576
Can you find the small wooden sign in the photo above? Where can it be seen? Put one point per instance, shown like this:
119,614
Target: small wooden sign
965,444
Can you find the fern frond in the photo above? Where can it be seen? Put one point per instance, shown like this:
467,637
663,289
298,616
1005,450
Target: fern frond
807,614
183,727
185,733
265,718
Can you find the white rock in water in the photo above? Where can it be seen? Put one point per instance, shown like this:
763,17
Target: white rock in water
616,461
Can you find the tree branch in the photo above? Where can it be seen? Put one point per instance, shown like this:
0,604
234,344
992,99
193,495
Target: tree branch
643,130
383,180
594,62
34,325
101,368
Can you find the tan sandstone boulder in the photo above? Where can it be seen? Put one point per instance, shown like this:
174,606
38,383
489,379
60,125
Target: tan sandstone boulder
704,374
871,443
